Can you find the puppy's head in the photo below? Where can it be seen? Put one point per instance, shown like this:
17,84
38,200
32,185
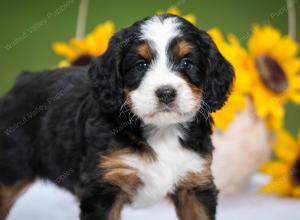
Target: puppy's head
164,70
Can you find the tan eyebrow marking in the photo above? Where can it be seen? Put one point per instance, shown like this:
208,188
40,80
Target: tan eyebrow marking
144,51
183,48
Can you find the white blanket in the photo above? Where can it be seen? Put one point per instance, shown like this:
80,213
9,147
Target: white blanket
44,201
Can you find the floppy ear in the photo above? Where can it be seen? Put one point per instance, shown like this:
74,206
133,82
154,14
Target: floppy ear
219,77
105,78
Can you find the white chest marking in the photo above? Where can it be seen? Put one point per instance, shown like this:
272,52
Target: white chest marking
161,176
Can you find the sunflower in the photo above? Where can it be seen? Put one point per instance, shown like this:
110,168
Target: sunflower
237,56
81,52
175,11
274,68
285,169
268,72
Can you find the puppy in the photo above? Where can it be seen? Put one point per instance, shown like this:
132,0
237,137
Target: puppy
131,129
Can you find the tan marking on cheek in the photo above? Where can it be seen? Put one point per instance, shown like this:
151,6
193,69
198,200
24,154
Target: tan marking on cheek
188,207
127,97
183,48
144,51
9,194
196,91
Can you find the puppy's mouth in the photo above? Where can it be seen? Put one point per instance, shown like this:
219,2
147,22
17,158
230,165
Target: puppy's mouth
163,108
168,109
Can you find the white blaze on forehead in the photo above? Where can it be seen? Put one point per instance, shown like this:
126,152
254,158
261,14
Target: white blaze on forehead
160,32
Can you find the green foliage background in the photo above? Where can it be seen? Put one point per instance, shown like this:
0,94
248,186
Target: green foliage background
33,52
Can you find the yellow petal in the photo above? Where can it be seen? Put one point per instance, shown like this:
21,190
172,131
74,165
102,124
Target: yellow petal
64,63
275,168
296,192
281,186
275,118
226,115
243,81
80,46
278,112
97,41
174,11
259,101
216,34
64,50
191,18
295,97
286,49
263,39
286,147
292,69
274,124
294,81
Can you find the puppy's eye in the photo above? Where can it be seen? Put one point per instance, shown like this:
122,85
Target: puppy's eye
185,64
142,66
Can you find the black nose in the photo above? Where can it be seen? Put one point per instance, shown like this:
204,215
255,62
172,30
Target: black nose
166,94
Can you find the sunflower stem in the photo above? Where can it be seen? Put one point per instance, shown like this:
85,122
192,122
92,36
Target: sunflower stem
292,18
81,19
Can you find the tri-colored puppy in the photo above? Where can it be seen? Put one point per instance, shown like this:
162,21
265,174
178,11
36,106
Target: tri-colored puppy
134,128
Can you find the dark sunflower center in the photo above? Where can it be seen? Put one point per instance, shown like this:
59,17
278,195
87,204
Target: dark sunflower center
272,74
83,60
296,172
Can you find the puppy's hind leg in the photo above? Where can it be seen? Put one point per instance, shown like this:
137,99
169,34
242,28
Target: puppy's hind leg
9,194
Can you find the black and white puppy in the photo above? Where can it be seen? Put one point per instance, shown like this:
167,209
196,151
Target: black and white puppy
132,129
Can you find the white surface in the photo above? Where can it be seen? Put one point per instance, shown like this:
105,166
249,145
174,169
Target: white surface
46,202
